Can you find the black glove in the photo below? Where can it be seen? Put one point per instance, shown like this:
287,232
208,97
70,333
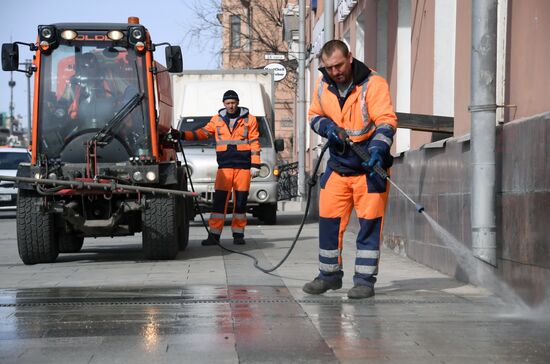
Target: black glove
337,136
174,135
378,157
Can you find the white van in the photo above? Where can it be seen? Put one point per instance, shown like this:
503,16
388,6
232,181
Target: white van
197,97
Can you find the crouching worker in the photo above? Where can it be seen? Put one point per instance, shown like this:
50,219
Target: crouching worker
238,155
351,101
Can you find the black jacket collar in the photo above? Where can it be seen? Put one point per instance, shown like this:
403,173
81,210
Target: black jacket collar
359,70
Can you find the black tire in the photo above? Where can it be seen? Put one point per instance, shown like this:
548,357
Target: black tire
160,228
36,240
269,213
69,243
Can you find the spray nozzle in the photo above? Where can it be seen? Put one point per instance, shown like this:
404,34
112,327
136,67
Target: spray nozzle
419,208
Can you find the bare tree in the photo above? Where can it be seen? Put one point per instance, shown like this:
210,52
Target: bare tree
260,32
206,31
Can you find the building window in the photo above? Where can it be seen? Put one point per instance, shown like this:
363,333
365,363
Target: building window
235,31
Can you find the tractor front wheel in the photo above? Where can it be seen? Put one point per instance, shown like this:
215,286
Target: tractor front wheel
160,228
36,240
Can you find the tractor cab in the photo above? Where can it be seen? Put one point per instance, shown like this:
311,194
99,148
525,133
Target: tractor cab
95,84
83,86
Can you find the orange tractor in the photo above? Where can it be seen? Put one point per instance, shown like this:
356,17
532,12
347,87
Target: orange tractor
102,163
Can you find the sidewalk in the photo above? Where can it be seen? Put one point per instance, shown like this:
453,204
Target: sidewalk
108,305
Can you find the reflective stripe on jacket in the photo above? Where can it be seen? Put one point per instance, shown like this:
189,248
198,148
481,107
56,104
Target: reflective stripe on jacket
238,147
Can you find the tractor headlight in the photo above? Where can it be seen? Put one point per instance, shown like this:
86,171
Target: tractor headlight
46,33
47,37
68,34
137,34
136,37
151,176
137,176
115,35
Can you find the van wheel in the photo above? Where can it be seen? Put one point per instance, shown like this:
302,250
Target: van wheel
35,230
160,228
69,242
268,213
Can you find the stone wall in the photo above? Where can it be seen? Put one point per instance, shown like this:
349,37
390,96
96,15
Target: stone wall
438,176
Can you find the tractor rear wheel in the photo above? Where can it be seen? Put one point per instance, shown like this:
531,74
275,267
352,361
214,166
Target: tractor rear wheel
160,228
36,240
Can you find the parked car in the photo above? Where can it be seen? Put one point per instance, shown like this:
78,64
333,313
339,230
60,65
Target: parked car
9,161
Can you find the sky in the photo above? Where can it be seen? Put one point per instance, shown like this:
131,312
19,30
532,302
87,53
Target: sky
167,21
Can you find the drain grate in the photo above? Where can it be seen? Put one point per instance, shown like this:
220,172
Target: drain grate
110,301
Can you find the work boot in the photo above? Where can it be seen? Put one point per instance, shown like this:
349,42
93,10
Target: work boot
238,241
318,286
360,291
211,240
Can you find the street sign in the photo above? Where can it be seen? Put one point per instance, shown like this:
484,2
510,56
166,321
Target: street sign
275,57
279,70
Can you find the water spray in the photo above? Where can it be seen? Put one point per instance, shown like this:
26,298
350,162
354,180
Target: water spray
365,156
477,273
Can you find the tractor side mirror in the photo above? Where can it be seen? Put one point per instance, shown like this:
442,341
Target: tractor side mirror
174,59
279,145
10,57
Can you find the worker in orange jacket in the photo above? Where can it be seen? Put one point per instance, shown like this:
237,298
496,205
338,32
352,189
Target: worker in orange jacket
238,155
352,102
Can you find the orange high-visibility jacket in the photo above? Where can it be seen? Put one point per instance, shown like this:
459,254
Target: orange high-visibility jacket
236,147
366,113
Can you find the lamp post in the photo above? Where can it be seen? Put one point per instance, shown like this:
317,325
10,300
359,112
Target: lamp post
11,84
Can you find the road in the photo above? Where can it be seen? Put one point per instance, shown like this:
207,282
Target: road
107,304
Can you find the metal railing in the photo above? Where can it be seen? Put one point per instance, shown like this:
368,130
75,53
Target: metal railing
287,186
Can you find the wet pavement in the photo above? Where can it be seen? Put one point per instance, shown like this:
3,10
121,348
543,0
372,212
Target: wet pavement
108,305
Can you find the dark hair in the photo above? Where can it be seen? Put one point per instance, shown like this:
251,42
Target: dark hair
333,45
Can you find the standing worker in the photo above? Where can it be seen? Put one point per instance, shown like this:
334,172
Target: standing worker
238,156
351,101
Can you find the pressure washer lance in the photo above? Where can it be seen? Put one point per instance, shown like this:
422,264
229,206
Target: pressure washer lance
365,156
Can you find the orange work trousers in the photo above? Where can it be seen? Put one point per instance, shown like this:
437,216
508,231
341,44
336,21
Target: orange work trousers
229,180
339,195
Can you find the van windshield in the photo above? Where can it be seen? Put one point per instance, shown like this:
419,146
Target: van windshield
11,160
192,123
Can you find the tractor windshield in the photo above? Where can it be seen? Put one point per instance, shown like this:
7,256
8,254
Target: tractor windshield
83,86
